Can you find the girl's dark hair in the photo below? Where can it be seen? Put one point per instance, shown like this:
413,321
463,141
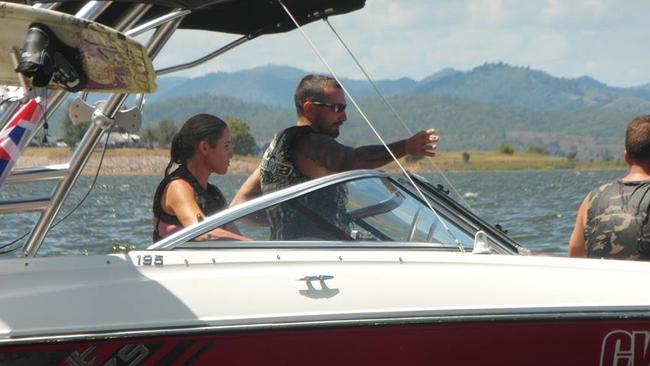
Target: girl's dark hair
201,127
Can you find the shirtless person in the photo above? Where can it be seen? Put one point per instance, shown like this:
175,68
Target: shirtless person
309,149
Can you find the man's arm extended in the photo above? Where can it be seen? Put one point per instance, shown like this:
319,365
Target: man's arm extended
251,188
319,155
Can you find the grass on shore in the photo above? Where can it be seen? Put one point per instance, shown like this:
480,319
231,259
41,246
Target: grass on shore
152,161
489,160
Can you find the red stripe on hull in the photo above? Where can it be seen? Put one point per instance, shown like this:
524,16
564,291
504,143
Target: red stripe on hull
504,343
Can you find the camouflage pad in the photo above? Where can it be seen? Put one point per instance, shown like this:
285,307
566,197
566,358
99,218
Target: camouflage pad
616,214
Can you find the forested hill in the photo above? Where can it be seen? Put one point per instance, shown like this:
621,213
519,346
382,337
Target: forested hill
270,85
523,87
475,109
463,124
496,83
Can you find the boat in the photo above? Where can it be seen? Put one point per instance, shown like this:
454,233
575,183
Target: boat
413,278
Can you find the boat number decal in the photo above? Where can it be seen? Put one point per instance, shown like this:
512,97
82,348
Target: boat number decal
150,260
625,348
129,354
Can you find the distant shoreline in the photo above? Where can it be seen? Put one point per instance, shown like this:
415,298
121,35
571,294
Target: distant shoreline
131,161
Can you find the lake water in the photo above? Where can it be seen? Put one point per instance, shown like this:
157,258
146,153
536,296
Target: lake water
536,207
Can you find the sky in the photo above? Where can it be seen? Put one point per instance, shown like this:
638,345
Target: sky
608,40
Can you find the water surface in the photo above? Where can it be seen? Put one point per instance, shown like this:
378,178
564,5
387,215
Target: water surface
536,207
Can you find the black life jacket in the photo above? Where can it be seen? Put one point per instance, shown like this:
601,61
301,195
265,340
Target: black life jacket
616,224
278,169
317,215
210,200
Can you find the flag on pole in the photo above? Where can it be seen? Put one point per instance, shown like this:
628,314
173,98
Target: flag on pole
17,133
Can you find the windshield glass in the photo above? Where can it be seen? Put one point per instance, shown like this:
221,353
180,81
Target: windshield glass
370,209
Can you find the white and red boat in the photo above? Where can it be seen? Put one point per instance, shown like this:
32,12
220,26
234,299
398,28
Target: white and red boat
412,278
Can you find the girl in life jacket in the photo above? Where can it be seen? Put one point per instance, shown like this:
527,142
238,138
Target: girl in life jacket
184,197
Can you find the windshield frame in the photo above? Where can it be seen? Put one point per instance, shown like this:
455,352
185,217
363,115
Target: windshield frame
458,218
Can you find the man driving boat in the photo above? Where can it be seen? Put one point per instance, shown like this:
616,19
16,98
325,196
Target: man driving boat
309,150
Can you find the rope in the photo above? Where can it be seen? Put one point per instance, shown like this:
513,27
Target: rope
392,109
363,115
92,185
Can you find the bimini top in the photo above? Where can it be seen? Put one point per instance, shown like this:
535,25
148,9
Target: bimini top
229,16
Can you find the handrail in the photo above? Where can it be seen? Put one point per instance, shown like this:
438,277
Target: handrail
157,22
132,16
208,57
17,205
37,174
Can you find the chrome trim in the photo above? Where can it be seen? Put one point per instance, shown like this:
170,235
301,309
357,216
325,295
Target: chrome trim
48,6
19,205
10,109
179,13
132,16
162,35
355,320
38,174
206,58
93,9
355,245
258,203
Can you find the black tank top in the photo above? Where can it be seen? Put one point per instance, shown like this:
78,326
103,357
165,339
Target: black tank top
210,200
278,169
617,221
300,218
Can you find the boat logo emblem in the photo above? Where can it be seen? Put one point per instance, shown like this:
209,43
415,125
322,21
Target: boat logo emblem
130,354
621,347
314,293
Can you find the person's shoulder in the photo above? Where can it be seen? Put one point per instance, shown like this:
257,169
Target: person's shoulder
179,183
593,195
603,187
315,140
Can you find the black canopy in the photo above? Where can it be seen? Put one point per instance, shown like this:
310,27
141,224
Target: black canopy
230,16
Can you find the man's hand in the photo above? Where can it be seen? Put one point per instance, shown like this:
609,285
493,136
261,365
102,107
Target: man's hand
423,143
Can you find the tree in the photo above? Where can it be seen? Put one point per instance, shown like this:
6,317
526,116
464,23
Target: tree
165,133
241,137
148,137
74,132
534,149
572,155
505,148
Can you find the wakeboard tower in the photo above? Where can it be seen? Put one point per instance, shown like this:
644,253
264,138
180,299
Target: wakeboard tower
382,297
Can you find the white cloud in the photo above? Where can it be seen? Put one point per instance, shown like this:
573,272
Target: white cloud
485,11
581,12
603,38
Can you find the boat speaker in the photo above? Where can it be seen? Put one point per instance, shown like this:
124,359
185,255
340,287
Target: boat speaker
45,58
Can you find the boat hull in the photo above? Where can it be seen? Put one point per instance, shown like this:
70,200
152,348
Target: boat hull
457,342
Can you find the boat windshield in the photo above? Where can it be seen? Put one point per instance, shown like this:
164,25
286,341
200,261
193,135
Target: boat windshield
369,209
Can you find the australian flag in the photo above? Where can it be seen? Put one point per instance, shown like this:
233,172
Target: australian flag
17,133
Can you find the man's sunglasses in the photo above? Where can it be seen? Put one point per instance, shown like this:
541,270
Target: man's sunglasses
336,107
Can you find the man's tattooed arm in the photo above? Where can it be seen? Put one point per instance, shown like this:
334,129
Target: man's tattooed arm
336,157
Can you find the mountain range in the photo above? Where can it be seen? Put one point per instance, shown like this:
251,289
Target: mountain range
497,83
473,110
